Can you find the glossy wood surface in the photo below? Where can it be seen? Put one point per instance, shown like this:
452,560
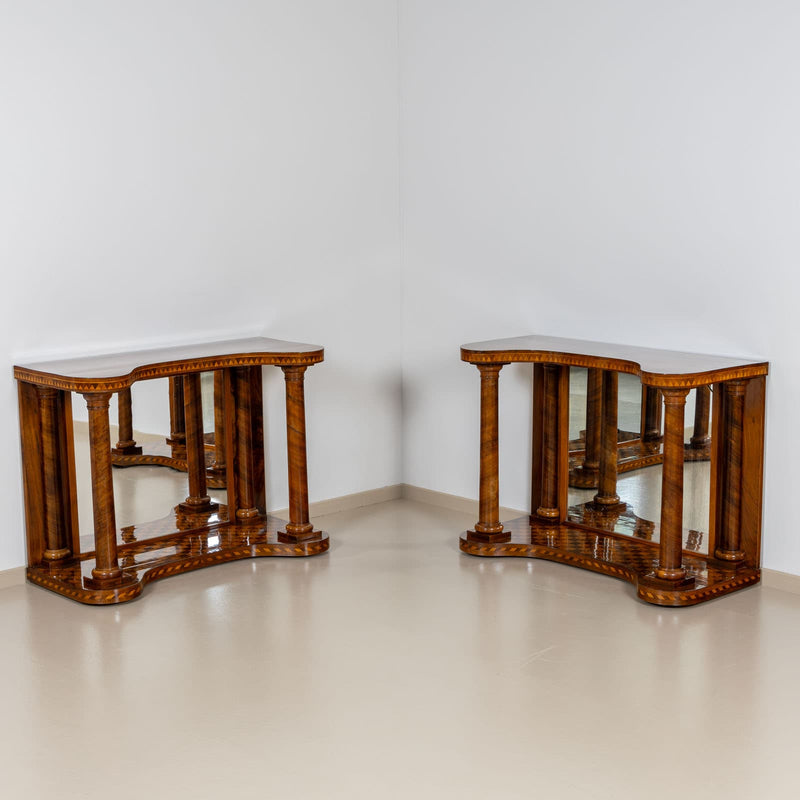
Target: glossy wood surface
114,371
654,367
198,532
604,535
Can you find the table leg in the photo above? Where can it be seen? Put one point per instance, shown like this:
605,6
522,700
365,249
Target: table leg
670,562
198,500
106,570
607,496
702,404
55,521
177,421
219,466
298,528
245,459
594,393
548,507
729,542
126,446
651,414
488,528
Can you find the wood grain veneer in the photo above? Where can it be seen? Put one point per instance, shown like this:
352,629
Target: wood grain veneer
588,537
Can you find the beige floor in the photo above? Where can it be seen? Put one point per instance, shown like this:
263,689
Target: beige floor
396,667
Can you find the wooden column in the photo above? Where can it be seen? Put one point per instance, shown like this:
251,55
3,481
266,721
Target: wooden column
594,406
177,421
106,570
488,528
56,539
702,406
670,565
729,539
607,484
219,466
126,446
549,507
198,500
298,527
245,457
651,414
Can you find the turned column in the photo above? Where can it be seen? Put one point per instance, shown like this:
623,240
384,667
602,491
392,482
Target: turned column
106,569
126,446
594,406
219,466
729,539
670,565
55,525
651,414
177,422
488,528
245,461
549,498
198,500
607,482
702,405
298,527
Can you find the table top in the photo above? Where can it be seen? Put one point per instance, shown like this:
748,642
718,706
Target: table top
114,371
655,367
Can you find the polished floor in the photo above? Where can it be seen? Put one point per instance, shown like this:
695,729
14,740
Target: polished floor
396,667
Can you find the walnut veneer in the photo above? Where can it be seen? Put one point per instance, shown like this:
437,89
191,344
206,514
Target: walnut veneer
198,532
586,536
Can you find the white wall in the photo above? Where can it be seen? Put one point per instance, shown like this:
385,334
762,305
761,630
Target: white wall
179,171
619,170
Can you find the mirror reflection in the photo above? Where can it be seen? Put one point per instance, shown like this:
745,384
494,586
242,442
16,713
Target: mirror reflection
615,455
148,452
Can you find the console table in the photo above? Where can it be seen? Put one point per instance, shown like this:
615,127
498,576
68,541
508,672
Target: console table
196,533
589,535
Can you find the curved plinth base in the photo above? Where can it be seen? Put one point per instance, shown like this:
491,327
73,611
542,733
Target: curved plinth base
617,556
171,554
214,479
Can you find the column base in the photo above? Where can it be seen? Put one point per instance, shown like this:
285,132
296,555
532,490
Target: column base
607,505
653,581
208,506
109,583
298,536
126,449
483,536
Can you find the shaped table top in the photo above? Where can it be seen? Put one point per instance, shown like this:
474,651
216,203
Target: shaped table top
655,367
114,371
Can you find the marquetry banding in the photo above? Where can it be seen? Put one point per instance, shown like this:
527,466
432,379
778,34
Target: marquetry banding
166,370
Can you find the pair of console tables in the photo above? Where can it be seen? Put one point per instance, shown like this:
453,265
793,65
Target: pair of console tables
598,535
196,533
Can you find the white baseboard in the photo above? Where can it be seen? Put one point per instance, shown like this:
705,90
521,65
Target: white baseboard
785,581
347,502
452,501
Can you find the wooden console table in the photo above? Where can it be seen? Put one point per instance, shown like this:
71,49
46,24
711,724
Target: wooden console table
196,533
588,536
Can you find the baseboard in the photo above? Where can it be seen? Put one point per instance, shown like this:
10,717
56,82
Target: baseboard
348,502
452,501
785,581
